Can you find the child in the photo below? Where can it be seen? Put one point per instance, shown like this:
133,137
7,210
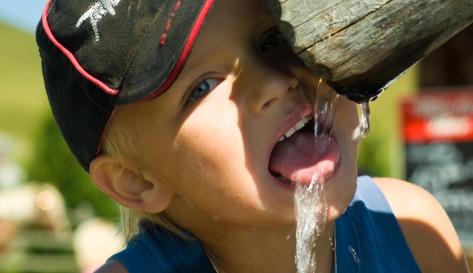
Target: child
189,142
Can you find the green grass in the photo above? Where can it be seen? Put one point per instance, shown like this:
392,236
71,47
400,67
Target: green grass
22,96
23,106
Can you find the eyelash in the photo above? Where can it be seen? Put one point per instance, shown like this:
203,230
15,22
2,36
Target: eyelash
272,36
208,83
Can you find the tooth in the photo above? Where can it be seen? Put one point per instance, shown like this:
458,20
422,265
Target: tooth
290,132
299,125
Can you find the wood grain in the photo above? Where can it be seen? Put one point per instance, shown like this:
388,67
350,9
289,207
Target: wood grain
360,46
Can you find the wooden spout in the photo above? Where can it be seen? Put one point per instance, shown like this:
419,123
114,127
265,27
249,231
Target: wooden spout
360,46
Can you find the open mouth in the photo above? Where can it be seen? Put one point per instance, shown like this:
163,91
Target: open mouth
298,155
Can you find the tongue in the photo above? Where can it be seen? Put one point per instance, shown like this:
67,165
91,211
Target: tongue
299,157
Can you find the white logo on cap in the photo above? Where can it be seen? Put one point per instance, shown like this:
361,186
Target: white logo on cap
95,14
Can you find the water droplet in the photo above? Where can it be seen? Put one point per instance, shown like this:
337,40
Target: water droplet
364,127
354,255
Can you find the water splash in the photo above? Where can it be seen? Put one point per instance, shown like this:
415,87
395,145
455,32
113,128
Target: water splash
311,211
354,255
364,126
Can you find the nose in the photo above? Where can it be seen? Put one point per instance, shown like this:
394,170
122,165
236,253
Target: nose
264,85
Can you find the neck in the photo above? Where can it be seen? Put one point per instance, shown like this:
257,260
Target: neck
239,250
235,248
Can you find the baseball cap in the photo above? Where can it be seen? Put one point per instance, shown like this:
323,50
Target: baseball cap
97,54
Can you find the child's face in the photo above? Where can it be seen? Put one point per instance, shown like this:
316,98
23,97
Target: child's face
210,137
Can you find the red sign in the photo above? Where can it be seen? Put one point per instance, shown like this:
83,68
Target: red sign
438,116
438,135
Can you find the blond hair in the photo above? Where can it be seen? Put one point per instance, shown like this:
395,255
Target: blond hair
118,142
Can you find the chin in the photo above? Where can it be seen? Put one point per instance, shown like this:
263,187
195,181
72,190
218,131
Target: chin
339,196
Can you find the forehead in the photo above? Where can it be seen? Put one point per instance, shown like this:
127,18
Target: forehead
229,25
242,10
230,18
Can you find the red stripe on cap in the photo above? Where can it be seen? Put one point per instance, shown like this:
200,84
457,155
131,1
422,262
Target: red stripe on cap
71,56
186,51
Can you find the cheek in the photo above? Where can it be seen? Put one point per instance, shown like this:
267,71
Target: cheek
211,151
211,179
211,134
346,123
347,115
209,148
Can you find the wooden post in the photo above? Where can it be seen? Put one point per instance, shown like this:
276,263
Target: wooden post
360,46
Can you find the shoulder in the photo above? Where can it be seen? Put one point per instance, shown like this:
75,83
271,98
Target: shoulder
425,225
112,267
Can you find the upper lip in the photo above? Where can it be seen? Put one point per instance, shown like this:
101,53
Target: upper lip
305,110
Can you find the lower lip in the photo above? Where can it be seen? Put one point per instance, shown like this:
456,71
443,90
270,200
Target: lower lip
332,158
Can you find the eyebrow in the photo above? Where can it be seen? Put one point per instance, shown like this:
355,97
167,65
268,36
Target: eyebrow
191,67
196,58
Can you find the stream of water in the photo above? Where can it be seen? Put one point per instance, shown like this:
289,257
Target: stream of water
311,208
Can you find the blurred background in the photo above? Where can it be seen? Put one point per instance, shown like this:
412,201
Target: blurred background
52,219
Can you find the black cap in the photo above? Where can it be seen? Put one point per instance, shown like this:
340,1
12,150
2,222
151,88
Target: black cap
100,53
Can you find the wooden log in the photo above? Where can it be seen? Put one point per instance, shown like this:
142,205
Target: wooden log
360,46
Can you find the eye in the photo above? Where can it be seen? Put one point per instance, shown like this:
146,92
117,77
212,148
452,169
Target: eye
202,88
272,40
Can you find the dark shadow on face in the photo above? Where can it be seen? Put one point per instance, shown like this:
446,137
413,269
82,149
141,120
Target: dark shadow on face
284,63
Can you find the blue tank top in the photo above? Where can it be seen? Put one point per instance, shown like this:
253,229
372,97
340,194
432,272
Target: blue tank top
368,240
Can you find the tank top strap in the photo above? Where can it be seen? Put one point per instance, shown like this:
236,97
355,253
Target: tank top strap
157,250
368,236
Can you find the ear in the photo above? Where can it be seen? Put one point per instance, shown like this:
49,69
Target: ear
124,183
